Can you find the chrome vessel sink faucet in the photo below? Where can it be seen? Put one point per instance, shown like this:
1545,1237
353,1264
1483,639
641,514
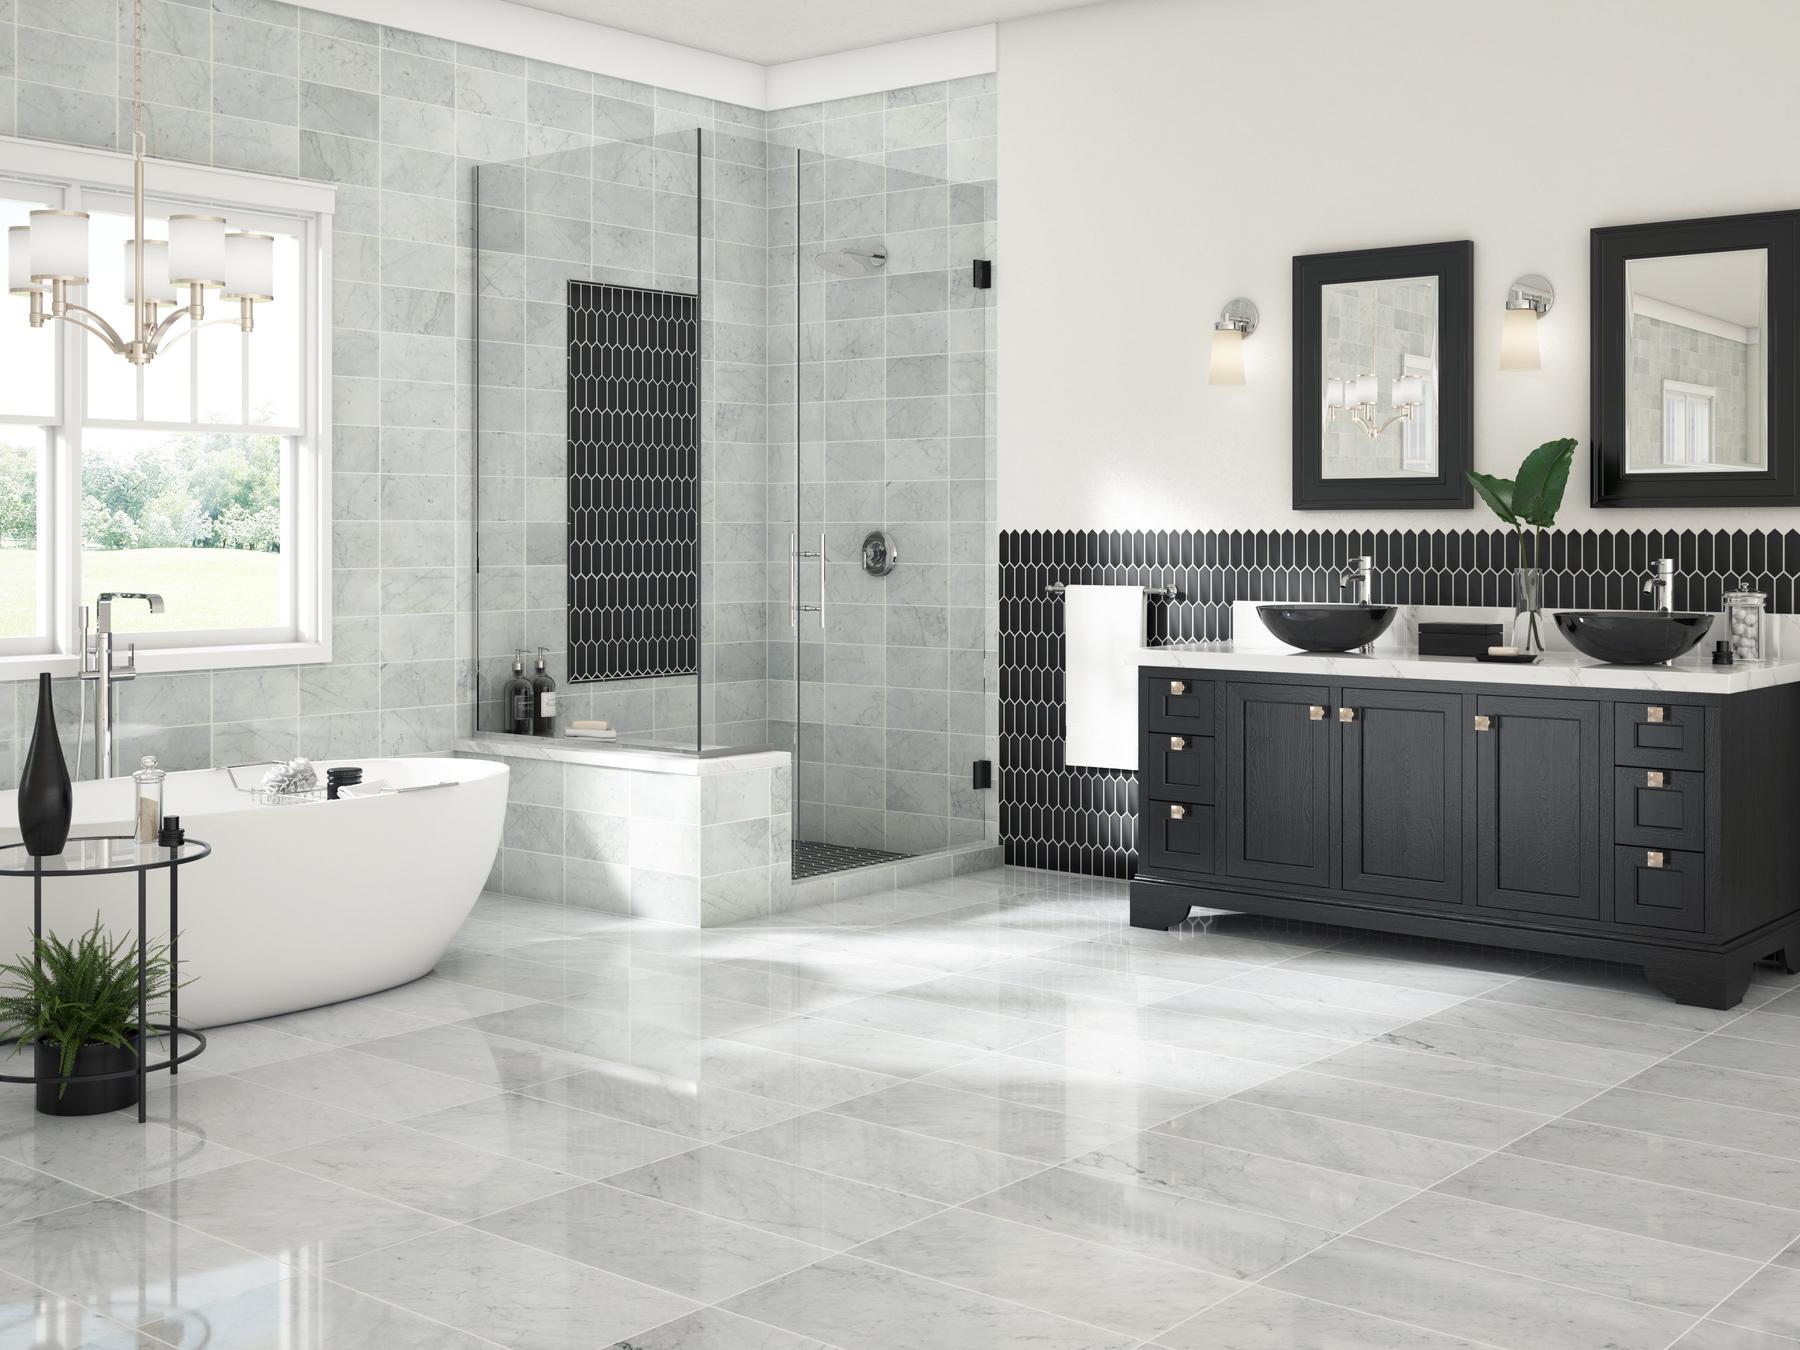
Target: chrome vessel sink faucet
1359,580
1661,586
97,665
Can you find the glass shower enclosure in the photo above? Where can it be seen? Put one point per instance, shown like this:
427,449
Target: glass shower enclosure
734,465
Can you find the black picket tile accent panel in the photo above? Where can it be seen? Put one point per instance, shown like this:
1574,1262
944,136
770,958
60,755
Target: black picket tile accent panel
634,484
1082,819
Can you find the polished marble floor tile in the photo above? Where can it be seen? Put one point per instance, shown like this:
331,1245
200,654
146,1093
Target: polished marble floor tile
515,1295
860,1306
1316,1196
1362,1150
1217,1239
299,1219
437,1175
1562,1251
984,1113
1510,1311
1261,1318
778,1197
928,1108
1118,1289
681,1250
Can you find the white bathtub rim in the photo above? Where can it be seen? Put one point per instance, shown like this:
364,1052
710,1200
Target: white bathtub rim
638,759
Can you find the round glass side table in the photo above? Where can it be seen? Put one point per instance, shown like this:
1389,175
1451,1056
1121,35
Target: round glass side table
105,855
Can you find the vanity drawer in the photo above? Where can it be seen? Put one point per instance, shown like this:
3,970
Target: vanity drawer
1178,835
1179,763
1659,735
1176,702
1656,888
1659,808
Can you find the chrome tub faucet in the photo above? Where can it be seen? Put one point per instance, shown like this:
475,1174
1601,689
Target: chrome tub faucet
97,664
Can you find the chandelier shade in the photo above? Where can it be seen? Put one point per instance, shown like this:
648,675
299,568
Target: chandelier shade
197,250
249,266
18,263
158,289
59,246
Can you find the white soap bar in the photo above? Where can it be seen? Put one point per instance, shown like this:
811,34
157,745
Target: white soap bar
1503,651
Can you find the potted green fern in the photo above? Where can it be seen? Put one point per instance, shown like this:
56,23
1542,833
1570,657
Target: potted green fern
76,1004
1529,504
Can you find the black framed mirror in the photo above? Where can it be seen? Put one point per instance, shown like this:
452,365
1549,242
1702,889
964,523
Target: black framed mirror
1383,376
1693,352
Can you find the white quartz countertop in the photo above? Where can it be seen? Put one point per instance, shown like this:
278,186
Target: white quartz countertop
1693,674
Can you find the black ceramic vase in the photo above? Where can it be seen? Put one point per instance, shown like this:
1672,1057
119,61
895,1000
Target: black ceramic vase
45,799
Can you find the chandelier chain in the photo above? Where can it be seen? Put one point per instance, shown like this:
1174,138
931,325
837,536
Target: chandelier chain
137,76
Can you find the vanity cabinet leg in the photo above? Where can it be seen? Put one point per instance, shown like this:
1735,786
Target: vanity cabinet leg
1703,981
1783,959
1149,909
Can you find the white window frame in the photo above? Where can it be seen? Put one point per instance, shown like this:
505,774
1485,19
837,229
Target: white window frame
308,208
1678,396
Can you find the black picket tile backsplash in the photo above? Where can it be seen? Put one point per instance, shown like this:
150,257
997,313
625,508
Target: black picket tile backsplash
1081,820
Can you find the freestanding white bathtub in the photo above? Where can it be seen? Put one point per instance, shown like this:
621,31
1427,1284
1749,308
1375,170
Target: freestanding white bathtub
298,905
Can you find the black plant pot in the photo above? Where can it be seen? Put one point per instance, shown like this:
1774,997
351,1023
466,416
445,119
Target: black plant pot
86,1099
45,799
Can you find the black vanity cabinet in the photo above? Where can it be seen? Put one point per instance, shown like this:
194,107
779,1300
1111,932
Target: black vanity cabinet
1600,823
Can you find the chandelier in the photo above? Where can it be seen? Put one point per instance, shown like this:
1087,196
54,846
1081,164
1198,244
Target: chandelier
50,255
1355,399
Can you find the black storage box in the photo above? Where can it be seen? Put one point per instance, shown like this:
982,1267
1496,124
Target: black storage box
1459,639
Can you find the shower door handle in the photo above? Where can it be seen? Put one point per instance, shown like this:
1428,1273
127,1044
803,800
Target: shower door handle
821,581
794,582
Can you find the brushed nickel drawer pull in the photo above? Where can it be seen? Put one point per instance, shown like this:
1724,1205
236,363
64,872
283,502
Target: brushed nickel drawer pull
1483,722
1653,778
1656,714
1178,813
1177,687
1653,858
1178,742
1346,714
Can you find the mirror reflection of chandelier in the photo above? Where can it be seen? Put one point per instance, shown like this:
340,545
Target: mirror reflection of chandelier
1356,400
51,254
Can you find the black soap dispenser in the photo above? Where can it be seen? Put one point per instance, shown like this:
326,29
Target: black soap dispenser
543,700
517,699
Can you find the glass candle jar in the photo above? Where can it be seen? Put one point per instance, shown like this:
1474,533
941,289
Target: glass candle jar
1746,624
149,814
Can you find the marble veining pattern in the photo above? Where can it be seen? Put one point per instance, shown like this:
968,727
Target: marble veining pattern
979,1113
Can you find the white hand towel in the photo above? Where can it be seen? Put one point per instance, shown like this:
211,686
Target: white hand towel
1102,625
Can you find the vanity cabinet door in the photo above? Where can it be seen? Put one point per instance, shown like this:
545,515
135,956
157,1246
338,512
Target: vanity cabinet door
1278,793
1538,792
1402,793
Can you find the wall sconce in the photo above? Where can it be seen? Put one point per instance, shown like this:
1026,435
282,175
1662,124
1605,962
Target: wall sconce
1237,321
1527,300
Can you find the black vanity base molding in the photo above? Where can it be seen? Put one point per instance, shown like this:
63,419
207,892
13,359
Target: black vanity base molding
1639,827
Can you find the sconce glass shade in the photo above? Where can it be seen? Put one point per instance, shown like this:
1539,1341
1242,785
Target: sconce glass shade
1519,341
59,246
18,262
197,250
249,266
1227,357
158,289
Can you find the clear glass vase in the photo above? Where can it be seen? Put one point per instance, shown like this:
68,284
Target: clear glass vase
1528,609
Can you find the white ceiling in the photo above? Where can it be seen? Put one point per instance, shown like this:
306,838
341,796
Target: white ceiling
769,32
1726,286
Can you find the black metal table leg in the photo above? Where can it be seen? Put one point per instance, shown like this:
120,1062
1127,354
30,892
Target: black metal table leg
143,1055
174,970
37,913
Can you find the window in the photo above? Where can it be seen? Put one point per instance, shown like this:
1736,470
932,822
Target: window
1687,423
203,475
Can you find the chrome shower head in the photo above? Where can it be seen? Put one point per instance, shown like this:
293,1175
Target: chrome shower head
844,262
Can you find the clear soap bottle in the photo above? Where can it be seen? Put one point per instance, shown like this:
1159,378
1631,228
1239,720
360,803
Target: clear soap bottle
149,814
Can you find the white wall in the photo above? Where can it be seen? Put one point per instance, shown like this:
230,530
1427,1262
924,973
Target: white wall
1158,157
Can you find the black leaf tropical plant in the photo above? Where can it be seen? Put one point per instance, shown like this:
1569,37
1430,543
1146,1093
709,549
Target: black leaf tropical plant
82,993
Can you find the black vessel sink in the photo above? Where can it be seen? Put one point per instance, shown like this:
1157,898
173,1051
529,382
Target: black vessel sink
1623,637
1327,628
